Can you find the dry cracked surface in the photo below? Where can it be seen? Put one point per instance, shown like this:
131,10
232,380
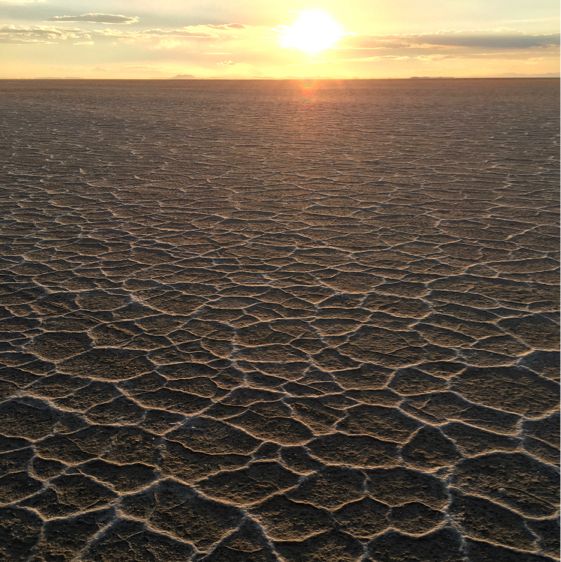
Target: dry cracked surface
250,322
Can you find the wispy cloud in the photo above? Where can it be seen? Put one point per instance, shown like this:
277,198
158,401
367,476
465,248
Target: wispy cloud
40,34
20,2
93,17
490,41
435,44
17,34
467,40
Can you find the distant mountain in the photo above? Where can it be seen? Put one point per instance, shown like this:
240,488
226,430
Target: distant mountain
544,75
511,75
431,77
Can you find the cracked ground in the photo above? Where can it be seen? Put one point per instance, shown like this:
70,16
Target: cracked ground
250,322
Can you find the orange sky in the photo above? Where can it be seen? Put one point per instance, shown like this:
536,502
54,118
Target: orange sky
218,39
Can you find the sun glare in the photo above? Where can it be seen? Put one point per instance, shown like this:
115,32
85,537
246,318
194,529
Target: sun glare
313,32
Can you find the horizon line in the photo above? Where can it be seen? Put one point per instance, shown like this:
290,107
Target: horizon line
285,79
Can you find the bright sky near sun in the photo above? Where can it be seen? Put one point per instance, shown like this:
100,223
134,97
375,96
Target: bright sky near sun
278,39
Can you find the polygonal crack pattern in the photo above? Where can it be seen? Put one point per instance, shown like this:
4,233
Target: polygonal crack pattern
240,323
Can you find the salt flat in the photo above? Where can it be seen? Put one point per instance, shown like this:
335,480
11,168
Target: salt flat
257,321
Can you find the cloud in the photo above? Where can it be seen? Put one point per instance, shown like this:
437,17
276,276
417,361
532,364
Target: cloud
490,41
97,18
227,26
210,41
20,2
194,32
507,45
211,31
465,40
151,38
184,37
40,34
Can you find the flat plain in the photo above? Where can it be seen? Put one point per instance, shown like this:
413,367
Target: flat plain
260,321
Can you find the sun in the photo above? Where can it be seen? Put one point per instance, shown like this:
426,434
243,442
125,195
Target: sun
314,31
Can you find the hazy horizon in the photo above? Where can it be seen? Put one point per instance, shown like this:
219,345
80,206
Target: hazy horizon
284,79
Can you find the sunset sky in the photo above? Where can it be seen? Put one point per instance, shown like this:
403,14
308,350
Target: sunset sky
242,39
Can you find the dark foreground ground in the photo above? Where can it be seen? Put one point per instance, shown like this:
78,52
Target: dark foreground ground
279,321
